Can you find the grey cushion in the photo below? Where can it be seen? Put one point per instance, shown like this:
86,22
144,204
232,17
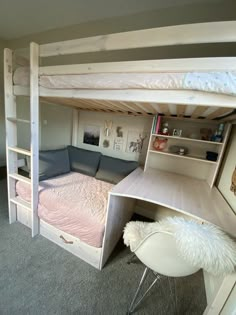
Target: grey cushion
83,161
53,163
113,170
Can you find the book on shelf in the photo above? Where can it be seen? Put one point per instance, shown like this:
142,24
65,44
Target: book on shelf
156,124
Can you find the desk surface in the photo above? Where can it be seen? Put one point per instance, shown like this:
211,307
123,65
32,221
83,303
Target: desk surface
184,194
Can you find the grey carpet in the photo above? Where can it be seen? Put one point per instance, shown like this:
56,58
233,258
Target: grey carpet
38,277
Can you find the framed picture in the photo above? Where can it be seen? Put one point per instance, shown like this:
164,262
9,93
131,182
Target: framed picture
177,132
91,135
118,144
135,141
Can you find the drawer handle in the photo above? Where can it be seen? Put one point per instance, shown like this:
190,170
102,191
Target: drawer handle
65,241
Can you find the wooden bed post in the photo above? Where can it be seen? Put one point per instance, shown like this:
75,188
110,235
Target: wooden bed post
75,125
11,132
34,113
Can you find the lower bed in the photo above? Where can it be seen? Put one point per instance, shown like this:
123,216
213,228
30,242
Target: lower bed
73,203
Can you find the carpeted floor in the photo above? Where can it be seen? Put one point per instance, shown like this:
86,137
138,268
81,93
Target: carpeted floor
38,277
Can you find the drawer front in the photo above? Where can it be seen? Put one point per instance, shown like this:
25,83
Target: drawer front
72,244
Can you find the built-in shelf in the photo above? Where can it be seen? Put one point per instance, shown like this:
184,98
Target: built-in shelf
186,156
186,139
194,163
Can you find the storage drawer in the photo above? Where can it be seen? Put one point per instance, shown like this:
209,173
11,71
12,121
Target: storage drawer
72,244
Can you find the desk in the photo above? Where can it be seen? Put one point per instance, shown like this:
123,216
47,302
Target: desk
184,194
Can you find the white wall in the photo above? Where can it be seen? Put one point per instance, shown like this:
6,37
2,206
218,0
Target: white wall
189,13
56,126
227,169
130,125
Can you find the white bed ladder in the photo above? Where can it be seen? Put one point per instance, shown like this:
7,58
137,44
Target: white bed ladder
12,150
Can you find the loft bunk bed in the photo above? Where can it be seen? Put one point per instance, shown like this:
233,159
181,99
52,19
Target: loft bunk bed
147,87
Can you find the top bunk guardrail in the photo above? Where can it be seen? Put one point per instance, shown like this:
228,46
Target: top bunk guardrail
212,32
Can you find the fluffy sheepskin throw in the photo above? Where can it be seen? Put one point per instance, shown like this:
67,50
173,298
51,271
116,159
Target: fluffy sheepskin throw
201,245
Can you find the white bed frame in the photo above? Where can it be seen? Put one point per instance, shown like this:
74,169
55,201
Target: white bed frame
120,209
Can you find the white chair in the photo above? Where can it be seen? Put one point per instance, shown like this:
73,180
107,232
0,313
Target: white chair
176,247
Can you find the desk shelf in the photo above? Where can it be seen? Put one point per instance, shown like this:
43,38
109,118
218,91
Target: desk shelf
194,162
187,139
189,157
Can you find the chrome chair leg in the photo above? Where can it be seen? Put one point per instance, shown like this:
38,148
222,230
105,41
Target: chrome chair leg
173,296
131,259
133,305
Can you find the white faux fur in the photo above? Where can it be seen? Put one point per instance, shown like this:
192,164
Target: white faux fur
136,231
202,245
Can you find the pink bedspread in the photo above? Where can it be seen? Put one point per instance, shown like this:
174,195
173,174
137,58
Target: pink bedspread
73,203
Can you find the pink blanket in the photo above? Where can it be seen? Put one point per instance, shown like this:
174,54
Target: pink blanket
73,203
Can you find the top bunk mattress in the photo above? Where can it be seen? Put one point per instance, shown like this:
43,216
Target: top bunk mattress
73,203
213,82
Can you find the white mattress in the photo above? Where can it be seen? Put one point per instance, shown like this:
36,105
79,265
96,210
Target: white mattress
73,203
214,82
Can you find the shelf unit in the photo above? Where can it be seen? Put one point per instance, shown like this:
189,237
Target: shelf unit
195,158
194,162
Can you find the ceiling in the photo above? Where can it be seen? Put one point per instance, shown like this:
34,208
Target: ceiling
19,18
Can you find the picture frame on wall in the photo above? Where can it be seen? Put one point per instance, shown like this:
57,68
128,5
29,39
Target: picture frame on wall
91,135
118,144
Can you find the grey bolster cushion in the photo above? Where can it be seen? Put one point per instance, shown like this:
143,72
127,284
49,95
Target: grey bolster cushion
113,170
83,161
53,163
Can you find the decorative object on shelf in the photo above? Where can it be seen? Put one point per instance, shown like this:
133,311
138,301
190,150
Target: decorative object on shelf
165,129
181,151
159,144
233,182
206,134
211,156
176,149
218,135
177,132
107,127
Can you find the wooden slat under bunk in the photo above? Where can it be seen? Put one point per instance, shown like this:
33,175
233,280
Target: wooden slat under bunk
141,108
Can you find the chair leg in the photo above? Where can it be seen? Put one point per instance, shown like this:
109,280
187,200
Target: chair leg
173,296
131,259
133,305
